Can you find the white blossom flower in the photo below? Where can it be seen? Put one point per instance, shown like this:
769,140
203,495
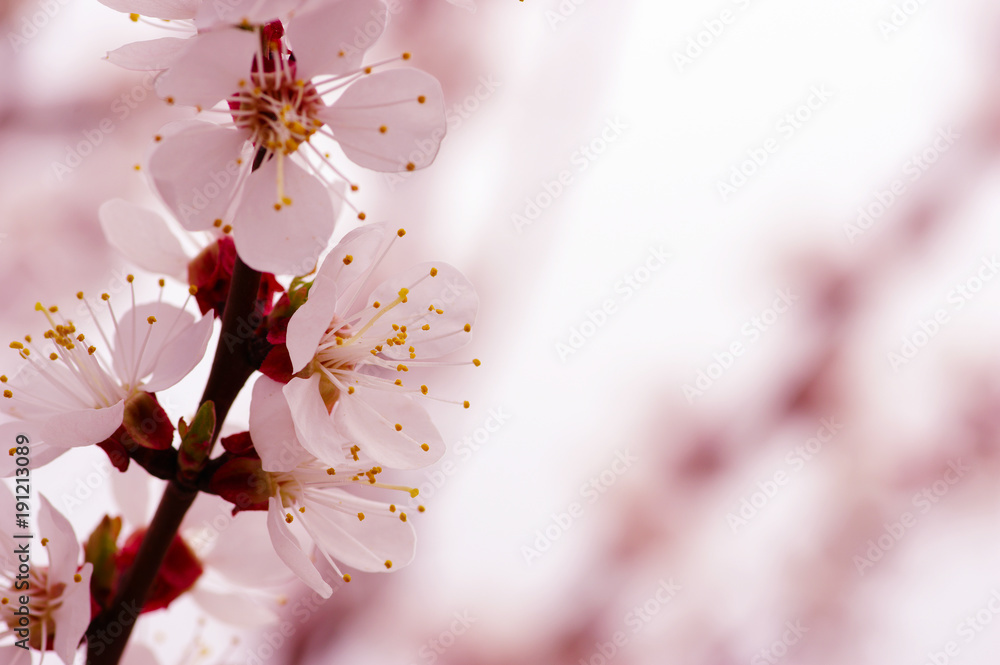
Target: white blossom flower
58,594
66,394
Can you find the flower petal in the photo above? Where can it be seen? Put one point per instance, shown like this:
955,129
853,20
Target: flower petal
73,616
196,169
332,39
235,12
210,68
289,240
169,9
448,290
143,237
165,350
331,520
272,429
150,55
389,99
41,453
288,548
81,428
335,281
63,548
313,423
369,418
232,608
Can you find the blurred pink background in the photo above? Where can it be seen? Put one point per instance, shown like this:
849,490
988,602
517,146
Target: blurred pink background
738,268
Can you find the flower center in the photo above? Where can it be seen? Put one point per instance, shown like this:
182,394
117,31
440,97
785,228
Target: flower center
42,602
278,111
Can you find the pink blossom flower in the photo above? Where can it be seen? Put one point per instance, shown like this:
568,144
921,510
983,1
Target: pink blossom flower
306,497
275,80
348,353
59,593
66,394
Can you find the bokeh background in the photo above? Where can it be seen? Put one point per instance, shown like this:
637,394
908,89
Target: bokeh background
740,300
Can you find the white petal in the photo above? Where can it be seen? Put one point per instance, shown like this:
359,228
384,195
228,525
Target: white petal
180,355
235,12
288,548
73,616
165,350
196,169
272,429
143,237
131,494
151,55
334,280
366,545
210,68
233,537
169,9
40,454
83,427
449,290
368,418
332,38
465,4
286,241
313,423
389,99
63,549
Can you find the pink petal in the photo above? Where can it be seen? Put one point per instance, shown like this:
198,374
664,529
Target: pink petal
286,241
210,68
169,9
465,4
227,553
449,290
334,280
143,237
365,545
196,169
288,548
73,616
130,491
151,55
332,39
313,423
272,429
235,12
13,655
389,99
368,418
63,548
165,351
81,428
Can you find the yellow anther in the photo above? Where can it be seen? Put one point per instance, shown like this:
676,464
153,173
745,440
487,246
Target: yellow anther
414,492
476,362
217,223
402,517
105,297
347,577
466,404
347,262
426,326
424,447
277,206
162,282
77,578
129,278
287,201
193,290
91,350
421,99
402,368
302,509
362,216
395,327
289,518
350,390
53,356
8,394
354,188
383,129
331,472
16,345
401,232
150,320
392,507
423,389
361,517
406,55
411,166
388,564
157,138
227,229
467,328
79,295
398,382
434,272
399,428
421,508
134,17
12,452
45,541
